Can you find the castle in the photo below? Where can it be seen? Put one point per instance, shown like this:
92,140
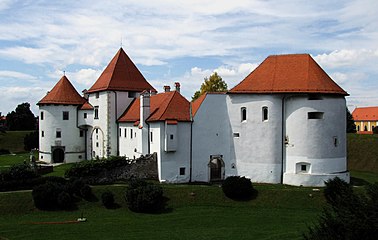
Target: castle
284,123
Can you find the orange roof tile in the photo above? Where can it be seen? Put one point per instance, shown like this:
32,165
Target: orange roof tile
86,106
293,73
197,103
63,93
163,106
121,74
365,114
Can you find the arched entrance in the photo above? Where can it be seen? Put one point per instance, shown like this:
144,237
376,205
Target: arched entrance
58,155
216,167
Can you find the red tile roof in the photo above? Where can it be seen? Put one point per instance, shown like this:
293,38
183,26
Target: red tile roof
121,74
197,103
163,106
293,73
365,114
63,93
86,106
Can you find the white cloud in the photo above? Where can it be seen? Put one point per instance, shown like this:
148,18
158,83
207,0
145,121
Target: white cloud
347,57
16,75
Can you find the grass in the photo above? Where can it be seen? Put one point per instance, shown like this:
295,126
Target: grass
60,170
278,212
363,152
13,141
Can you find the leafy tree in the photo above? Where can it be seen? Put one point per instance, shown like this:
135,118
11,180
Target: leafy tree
351,127
31,141
349,215
21,119
214,83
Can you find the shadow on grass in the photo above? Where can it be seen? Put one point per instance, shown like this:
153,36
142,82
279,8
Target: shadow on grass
358,181
253,196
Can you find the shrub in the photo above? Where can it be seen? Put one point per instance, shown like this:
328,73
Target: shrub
74,186
86,192
238,188
4,151
337,189
145,197
18,172
107,199
65,201
45,196
31,141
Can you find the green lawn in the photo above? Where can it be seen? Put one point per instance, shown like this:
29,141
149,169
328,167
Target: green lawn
278,212
13,141
363,152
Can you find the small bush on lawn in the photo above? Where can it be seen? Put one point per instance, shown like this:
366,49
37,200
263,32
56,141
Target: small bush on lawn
65,201
49,196
86,192
145,197
18,172
107,199
238,188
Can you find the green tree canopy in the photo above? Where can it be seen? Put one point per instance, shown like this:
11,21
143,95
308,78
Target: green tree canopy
214,83
351,127
21,119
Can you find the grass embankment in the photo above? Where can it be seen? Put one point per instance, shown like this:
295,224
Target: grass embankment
363,152
13,141
278,212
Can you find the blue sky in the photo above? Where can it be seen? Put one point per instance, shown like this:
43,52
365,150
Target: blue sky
182,41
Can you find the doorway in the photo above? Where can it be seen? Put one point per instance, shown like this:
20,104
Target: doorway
216,167
58,155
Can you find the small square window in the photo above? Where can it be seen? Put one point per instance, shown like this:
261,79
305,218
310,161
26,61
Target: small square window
236,135
43,133
131,94
315,115
85,115
182,171
97,94
65,115
171,136
304,168
58,134
81,133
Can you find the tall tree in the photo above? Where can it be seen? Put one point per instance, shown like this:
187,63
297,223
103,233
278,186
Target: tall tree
351,127
214,83
21,119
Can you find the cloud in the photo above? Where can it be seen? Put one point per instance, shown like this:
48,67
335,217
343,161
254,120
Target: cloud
16,75
347,57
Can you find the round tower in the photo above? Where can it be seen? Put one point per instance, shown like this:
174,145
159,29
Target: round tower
60,139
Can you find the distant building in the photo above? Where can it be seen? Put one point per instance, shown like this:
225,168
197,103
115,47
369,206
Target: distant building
3,121
366,119
284,123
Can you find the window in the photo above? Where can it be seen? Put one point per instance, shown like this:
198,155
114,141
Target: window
335,141
315,115
96,130
43,133
85,115
96,112
182,171
236,135
120,132
131,133
41,115
151,136
314,97
58,134
132,94
243,112
265,113
125,132
97,94
65,115
303,168
171,136
96,144
81,133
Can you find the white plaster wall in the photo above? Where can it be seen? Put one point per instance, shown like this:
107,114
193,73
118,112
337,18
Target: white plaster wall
73,144
212,136
85,121
313,140
169,163
127,145
258,149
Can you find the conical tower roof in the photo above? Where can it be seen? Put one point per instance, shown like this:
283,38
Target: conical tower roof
292,73
63,93
121,74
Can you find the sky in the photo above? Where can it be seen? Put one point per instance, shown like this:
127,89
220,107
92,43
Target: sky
182,41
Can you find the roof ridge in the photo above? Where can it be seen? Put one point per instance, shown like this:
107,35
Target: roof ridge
169,102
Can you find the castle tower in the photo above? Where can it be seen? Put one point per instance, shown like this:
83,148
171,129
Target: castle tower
119,84
60,139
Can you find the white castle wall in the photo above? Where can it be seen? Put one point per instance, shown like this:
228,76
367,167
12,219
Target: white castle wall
318,143
70,141
170,162
128,146
212,136
258,148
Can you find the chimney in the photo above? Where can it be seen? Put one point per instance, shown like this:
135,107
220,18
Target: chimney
85,94
177,86
167,88
144,107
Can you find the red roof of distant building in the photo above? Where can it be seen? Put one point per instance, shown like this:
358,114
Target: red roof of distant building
293,73
121,74
163,106
86,106
365,114
63,93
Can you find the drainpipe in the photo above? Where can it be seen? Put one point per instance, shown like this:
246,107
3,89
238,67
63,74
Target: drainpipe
191,144
116,116
283,128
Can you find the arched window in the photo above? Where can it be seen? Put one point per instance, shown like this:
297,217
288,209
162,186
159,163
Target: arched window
265,113
243,112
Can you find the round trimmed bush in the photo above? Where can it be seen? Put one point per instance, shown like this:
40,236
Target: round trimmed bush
86,191
107,199
145,197
238,188
64,201
45,196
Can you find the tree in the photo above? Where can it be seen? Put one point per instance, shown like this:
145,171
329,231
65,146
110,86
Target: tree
351,127
21,119
214,83
31,141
